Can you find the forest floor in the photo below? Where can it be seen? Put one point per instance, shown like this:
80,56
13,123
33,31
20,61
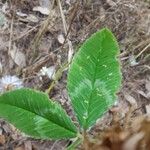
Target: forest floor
43,33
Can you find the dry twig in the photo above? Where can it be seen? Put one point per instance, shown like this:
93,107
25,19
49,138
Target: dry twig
70,52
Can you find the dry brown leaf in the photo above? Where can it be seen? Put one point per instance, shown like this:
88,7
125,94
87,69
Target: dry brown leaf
147,85
148,109
3,44
136,124
132,142
111,3
146,95
32,18
1,68
18,57
1,131
130,99
2,139
28,145
42,10
19,148
45,3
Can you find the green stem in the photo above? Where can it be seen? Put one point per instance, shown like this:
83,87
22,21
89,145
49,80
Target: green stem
75,144
57,76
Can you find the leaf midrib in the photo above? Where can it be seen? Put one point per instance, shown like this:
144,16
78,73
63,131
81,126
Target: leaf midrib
37,115
93,83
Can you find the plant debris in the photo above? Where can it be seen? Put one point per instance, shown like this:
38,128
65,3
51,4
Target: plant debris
32,39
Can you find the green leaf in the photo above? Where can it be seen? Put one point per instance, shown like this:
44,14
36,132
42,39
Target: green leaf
36,115
94,77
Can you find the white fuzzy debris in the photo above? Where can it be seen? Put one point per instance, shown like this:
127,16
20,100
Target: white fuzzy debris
61,38
50,72
116,103
133,61
9,83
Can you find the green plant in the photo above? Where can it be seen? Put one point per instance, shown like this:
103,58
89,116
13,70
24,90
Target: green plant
94,78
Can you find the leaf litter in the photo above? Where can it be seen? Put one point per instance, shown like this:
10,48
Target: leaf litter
126,125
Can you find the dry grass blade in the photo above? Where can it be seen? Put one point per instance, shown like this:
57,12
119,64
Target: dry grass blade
41,32
126,126
143,50
70,52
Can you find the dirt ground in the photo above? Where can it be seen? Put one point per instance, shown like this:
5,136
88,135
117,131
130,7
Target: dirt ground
45,33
